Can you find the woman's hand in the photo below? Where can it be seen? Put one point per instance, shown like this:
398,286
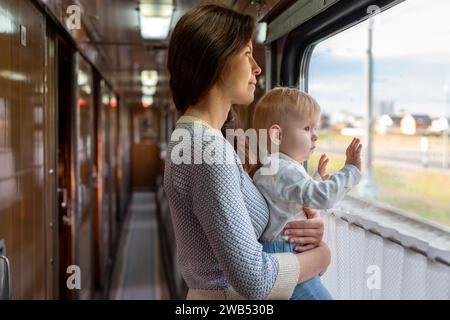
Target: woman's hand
327,256
307,232
313,262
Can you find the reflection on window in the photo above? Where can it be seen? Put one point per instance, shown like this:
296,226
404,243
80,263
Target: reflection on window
410,82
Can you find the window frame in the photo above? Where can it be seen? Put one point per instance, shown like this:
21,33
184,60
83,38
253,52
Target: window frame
295,63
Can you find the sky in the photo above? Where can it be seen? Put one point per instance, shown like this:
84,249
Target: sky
411,49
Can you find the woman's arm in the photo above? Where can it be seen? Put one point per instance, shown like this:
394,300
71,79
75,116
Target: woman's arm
220,209
313,262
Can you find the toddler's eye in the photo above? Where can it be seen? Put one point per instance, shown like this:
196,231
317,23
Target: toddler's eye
307,128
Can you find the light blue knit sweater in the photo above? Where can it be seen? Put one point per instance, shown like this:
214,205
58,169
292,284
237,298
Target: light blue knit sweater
218,215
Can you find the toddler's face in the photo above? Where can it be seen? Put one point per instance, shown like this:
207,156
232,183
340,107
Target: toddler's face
299,138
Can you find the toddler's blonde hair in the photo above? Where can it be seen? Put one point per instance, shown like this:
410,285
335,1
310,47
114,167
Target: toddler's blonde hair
281,103
275,107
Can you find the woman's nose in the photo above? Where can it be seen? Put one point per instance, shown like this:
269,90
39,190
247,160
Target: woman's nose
256,69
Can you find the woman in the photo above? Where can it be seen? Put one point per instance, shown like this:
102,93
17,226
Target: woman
217,212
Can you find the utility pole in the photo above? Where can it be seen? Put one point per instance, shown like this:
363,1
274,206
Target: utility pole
368,187
446,129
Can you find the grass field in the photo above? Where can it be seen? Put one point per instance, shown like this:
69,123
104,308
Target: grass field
418,191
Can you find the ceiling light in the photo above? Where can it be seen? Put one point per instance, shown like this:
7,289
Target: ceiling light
149,77
148,100
82,78
156,10
113,102
105,98
149,90
155,20
261,32
12,75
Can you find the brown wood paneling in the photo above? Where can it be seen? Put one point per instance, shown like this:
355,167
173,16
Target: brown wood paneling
22,215
97,274
145,166
145,150
102,223
124,166
50,123
65,173
8,154
107,172
84,163
112,164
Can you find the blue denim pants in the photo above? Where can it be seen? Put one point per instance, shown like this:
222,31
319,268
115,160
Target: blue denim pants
313,289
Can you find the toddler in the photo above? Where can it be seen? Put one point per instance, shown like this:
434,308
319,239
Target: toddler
291,117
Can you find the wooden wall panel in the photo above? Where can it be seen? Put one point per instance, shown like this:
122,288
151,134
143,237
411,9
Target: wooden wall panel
50,152
124,164
22,216
102,221
145,150
108,173
28,145
84,162
8,154
112,161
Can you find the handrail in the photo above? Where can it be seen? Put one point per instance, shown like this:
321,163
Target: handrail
5,279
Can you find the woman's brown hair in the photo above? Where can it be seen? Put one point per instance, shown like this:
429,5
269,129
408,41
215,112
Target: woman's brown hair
201,43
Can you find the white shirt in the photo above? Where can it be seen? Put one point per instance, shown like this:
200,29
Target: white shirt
291,188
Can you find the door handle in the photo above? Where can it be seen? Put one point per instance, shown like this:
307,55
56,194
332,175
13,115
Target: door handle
5,279
94,174
66,219
64,195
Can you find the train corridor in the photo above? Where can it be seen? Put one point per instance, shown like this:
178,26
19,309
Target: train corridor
137,273
87,114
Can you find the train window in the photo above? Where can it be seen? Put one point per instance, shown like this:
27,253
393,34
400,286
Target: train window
407,65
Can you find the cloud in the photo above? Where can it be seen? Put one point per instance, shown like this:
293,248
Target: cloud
414,27
411,62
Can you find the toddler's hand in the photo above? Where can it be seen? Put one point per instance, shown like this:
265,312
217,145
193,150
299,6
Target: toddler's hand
322,167
353,153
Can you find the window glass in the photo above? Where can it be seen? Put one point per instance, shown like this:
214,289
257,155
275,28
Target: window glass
410,81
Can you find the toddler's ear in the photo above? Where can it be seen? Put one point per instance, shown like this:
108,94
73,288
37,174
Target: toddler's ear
275,134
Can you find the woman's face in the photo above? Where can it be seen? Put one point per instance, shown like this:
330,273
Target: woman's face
239,76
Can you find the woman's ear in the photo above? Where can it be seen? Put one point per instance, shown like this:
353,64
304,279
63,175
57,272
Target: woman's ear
275,134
